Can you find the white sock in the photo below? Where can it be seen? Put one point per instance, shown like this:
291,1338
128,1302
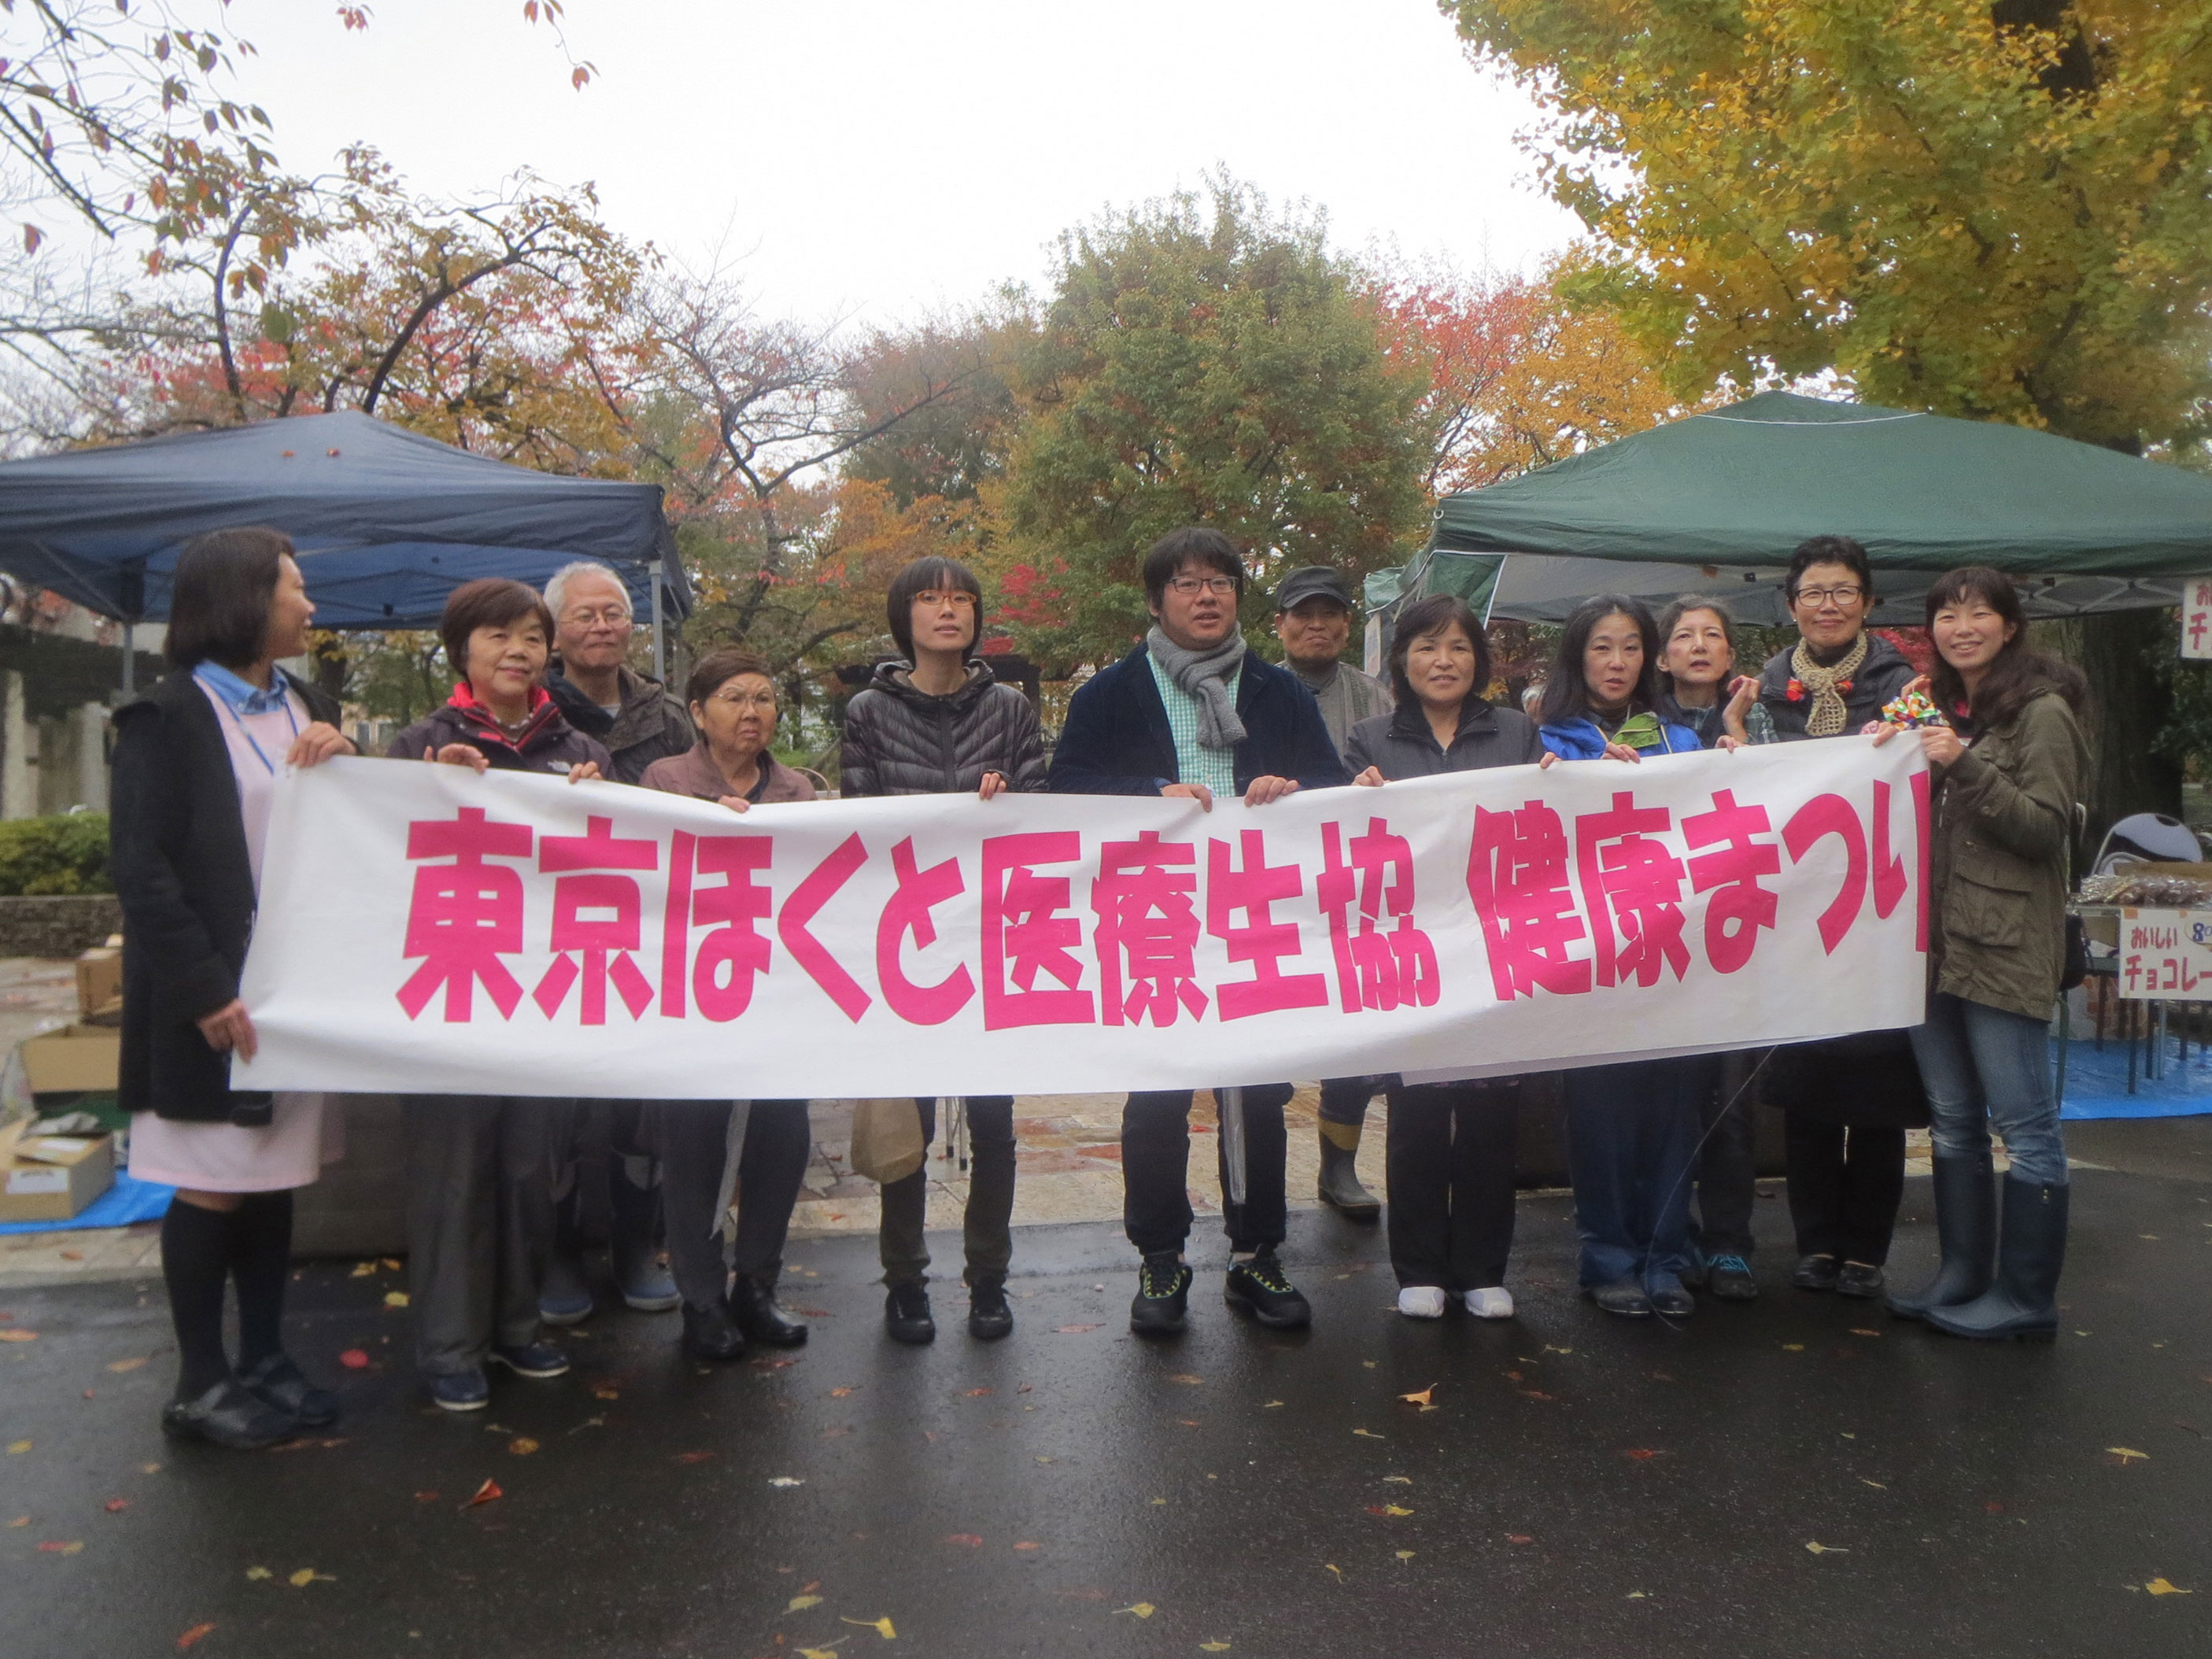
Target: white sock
1422,1302
1492,1301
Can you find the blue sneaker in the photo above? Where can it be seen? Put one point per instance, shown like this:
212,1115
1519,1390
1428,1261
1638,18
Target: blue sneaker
565,1295
539,1359
461,1391
1729,1278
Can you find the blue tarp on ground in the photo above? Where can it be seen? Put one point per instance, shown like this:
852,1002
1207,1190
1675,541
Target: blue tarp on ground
388,522
129,1201
2097,1084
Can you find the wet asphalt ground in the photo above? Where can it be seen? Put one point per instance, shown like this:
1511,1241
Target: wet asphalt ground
1577,1485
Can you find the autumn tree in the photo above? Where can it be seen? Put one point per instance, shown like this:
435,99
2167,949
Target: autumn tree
1521,371
1206,360
1995,210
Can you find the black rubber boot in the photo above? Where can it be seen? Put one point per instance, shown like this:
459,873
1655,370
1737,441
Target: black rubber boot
711,1333
633,1222
1966,1233
2023,1304
1340,1185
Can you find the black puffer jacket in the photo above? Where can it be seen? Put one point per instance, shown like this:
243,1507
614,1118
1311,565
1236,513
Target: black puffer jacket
900,741
1401,745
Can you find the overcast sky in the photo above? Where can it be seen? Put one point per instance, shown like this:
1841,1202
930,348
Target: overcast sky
889,159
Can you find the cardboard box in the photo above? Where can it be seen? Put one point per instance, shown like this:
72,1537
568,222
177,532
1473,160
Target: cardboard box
98,980
54,1177
76,1059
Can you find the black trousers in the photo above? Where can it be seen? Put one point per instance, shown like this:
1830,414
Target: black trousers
1451,1148
987,1223
1727,1167
1844,1186
694,1141
1156,1170
1344,1100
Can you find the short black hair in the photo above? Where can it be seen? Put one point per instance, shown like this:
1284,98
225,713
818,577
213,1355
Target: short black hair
1828,549
935,575
219,596
487,602
1438,611
1192,544
719,667
1566,691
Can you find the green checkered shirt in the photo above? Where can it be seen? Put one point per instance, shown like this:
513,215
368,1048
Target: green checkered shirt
1194,762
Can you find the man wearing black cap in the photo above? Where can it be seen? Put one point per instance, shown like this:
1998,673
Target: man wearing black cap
1314,608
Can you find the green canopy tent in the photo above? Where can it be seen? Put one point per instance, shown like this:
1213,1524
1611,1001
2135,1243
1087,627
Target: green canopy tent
1715,503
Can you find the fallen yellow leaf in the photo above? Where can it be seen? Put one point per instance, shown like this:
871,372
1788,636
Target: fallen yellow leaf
395,1266
1405,1555
800,1604
522,1445
1396,1508
1331,1566
1876,1485
149,1468
1793,1347
2160,1587
881,1626
1397,1479
1366,1434
1161,1501
1271,1405
817,1653
362,1270
1421,1399
395,1298
1213,1647
1827,1549
256,1574
124,1364
1186,1379
17,1447
1142,1609
2125,1453
302,1578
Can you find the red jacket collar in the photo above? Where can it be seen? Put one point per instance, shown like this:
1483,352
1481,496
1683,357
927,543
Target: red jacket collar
543,712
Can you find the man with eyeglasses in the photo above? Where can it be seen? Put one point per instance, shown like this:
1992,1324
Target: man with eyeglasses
639,720
636,717
1846,1102
1190,713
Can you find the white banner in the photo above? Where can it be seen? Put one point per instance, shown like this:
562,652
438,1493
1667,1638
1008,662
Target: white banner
426,929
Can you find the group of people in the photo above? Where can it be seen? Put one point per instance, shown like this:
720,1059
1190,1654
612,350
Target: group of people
700,1193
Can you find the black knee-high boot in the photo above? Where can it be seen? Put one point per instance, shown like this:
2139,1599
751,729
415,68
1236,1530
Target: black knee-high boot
261,1262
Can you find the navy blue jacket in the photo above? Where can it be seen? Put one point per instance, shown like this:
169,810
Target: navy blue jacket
1116,741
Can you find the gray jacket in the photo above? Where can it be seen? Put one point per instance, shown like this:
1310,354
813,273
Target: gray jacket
902,741
1346,698
1401,746
651,725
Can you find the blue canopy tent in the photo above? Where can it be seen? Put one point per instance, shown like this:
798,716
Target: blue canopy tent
388,522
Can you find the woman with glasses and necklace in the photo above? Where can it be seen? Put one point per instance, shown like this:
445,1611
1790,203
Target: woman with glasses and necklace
1846,1102
729,1292
935,721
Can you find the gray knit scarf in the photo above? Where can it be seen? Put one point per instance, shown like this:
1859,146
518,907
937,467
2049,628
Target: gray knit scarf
1204,676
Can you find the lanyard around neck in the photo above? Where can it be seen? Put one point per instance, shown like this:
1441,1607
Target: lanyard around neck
267,764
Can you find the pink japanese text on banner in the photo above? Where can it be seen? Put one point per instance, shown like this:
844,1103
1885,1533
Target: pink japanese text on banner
422,929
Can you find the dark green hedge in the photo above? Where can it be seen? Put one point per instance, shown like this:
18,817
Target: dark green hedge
63,855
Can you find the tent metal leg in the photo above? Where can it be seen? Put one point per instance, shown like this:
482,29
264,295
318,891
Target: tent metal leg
130,660
660,643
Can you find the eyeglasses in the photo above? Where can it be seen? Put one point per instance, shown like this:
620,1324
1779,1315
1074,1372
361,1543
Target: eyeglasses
930,598
613,616
1817,596
1189,584
744,699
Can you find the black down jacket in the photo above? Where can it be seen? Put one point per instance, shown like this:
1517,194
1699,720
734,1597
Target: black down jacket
900,741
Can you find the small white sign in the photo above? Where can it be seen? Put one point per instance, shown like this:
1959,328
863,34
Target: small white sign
2196,619
2165,956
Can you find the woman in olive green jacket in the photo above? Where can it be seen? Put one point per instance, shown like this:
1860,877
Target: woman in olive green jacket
2008,773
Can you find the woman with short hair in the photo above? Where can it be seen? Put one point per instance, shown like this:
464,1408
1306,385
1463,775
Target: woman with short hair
936,721
2008,768
480,1167
1449,1147
196,766
1632,1128
729,1290
1847,1101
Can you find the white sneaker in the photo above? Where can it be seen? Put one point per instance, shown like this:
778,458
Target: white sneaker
1422,1302
1495,1303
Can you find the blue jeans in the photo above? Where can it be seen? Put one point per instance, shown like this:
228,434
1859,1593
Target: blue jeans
1631,1134
1985,1068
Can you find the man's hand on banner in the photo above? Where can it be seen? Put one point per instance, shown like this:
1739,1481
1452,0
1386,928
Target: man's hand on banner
1197,791
1372,778
459,754
318,743
584,772
230,1027
992,784
735,803
1262,790
1622,751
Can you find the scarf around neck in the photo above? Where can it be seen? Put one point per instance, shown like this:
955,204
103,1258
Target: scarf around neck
1204,676
1827,685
